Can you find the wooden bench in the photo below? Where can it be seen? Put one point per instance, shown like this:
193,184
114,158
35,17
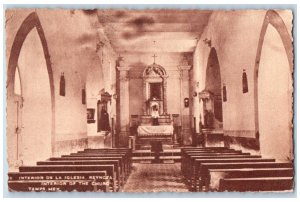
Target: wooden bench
217,174
109,169
196,172
58,181
257,184
125,159
125,166
205,167
187,163
120,173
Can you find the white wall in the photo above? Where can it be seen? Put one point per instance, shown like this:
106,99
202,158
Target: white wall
275,98
70,51
235,36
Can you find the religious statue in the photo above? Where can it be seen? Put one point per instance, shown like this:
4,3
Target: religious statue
208,119
155,115
104,120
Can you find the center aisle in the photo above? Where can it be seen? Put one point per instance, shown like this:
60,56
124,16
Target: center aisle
155,178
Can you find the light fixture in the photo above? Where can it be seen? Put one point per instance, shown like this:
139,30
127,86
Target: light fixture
115,96
207,42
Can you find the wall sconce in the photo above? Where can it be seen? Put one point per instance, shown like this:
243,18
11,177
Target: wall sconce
186,102
207,42
224,93
245,81
83,96
115,96
99,45
62,85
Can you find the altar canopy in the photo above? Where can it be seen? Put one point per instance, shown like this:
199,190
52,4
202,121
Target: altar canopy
162,130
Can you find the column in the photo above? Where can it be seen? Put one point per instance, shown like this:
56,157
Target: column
124,105
165,95
185,111
144,97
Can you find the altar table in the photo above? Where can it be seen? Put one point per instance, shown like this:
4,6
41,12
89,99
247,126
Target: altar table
160,130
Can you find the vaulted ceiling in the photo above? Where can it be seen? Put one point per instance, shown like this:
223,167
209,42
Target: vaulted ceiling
148,31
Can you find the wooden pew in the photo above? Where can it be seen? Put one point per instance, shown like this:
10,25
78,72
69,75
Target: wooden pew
58,181
187,163
109,169
124,165
216,174
109,149
120,173
197,163
204,168
125,158
123,155
257,184
190,154
126,151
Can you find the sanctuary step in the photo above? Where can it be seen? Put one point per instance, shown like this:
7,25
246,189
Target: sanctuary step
148,156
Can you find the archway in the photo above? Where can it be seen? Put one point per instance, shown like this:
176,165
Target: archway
213,88
30,111
273,85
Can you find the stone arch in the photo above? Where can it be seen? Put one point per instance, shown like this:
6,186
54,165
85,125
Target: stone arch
213,83
32,21
272,19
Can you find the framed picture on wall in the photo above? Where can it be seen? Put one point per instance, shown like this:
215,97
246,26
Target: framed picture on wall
91,115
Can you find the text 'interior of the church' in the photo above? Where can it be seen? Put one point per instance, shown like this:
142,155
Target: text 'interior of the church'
153,100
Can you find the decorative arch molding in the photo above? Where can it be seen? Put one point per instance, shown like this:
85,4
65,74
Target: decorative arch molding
32,21
154,70
155,73
274,19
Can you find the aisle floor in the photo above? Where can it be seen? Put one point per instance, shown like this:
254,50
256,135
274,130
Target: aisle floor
155,178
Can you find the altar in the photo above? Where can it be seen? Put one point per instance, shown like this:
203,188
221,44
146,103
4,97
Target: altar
163,130
162,133
155,102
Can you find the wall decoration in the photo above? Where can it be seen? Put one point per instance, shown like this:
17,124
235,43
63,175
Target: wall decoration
91,115
62,85
245,82
224,93
186,102
83,96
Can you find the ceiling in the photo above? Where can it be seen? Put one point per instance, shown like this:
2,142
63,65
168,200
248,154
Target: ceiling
149,31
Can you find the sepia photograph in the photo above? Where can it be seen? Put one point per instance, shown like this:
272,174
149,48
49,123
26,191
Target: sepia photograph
149,100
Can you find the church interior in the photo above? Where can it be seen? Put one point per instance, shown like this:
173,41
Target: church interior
158,100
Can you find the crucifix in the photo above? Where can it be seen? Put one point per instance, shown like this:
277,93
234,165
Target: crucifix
120,57
154,56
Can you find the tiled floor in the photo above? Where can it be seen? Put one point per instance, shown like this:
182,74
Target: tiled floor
155,178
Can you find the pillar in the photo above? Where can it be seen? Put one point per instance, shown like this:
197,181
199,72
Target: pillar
165,95
124,105
185,111
144,97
